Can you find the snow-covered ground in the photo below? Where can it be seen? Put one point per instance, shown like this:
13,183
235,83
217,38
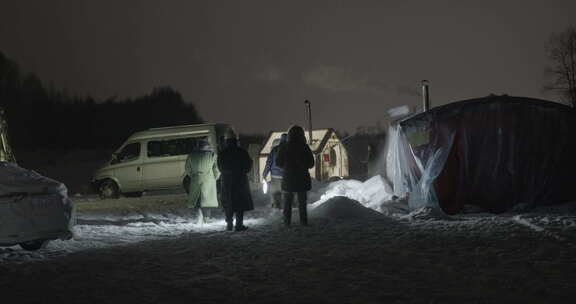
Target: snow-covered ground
360,247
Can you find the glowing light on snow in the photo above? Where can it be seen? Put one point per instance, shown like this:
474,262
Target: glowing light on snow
122,233
264,187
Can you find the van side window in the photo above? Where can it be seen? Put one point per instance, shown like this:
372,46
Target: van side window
193,143
172,147
130,152
154,148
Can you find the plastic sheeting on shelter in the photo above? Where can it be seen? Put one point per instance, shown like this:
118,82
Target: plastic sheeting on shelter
494,152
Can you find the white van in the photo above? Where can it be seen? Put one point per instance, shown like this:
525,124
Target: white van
153,159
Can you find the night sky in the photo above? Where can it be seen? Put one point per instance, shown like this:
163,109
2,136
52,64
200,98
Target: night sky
253,63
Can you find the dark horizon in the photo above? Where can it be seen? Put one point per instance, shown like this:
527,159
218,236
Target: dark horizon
353,60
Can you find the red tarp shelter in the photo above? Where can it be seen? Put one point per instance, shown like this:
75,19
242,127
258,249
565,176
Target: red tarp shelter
493,152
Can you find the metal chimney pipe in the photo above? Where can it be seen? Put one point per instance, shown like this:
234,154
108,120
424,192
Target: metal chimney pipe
425,96
309,118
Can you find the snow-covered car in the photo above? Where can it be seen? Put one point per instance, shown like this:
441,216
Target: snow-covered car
34,209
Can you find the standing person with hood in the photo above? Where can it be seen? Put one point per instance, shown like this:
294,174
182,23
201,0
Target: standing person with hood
295,158
203,171
276,173
235,163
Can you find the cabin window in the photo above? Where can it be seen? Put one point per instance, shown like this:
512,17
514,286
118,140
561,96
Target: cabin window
333,157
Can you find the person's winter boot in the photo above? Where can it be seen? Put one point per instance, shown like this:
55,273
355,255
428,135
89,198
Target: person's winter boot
287,213
303,216
240,222
229,226
200,217
240,228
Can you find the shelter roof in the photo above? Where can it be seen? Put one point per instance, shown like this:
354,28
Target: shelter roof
476,103
319,138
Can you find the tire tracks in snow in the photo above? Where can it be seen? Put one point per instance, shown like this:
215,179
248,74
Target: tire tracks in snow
518,219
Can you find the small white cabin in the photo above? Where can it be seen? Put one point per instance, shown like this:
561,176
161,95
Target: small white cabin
330,155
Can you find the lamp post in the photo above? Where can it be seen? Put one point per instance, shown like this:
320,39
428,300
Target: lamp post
309,118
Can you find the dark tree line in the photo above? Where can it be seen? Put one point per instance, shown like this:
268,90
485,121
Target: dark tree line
41,117
561,51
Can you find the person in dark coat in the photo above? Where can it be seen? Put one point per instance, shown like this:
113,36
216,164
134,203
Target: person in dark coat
295,158
234,164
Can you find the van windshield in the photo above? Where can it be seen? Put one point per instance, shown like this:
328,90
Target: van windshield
129,152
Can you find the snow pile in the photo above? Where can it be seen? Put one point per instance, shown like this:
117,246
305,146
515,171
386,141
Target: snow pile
371,193
318,190
374,193
347,188
341,207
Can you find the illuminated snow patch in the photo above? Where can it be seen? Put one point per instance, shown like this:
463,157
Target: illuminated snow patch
141,231
372,193
120,232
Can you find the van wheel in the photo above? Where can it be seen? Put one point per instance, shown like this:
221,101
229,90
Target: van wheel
34,245
108,189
